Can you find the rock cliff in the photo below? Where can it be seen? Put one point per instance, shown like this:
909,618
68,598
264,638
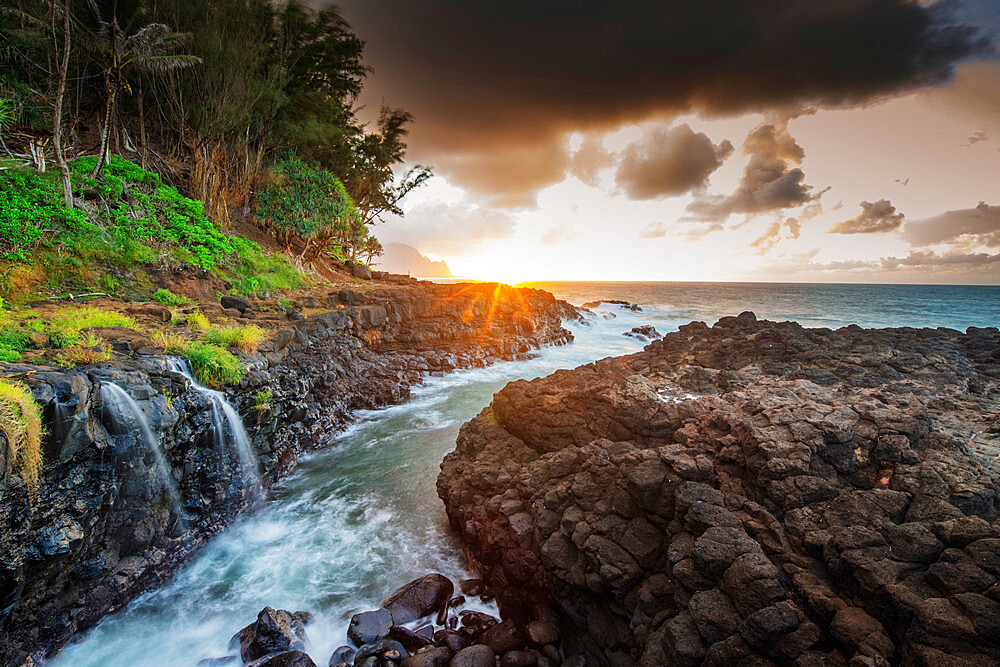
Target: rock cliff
750,493
115,513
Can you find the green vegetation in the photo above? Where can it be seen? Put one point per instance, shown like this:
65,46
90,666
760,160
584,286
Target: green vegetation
168,298
195,107
83,354
61,329
139,223
262,401
21,425
246,337
214,366
196,321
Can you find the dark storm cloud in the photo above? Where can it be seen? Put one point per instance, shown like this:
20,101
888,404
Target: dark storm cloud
485,75
876,216
771,180
980,224
669,162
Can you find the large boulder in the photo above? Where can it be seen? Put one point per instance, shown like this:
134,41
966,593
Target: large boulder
237,302
421,597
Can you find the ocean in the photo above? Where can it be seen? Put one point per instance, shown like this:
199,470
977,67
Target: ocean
362,517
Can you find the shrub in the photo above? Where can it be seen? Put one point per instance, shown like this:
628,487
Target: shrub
197,321
246,337
169,341
168,298
82,355
21,424
214,366
262,401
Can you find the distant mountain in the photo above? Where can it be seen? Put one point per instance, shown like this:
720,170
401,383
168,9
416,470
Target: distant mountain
405,259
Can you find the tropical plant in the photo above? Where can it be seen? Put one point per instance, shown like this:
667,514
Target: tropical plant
21,425
151,49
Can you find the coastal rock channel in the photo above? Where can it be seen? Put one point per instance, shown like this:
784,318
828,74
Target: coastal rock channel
142,464
749,493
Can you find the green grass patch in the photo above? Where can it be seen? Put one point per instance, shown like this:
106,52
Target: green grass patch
214,366
113,244
168,298
246,337
21,424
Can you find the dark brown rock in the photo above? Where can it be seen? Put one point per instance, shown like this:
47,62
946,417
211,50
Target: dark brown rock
749,493
421,597
476,655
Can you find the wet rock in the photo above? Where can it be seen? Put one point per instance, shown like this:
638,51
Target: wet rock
286,659
503,637
274,631
369,627
421,597
433,657
643,332
518,659
386,649
343,654
413,641
454,641
476,655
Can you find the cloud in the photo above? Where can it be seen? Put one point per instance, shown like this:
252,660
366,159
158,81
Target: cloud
479,76
443,229
654,230
978,225
508,176
556,235
775,233
589,159
669,162
877,216
770,181
977,136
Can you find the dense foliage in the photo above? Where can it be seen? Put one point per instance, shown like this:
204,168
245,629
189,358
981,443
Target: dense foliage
205,100
21,425
132,221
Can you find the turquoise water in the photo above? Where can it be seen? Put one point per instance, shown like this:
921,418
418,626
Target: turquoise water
362,517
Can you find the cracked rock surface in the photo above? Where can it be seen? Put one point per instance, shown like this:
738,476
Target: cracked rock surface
750,493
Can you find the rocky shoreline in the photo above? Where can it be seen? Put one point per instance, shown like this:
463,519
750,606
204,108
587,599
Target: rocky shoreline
749,493
115,514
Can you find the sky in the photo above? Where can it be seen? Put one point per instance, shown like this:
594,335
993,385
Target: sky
774,140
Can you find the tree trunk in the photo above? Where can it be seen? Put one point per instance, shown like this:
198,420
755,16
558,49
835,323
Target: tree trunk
105,131
142,128
60,93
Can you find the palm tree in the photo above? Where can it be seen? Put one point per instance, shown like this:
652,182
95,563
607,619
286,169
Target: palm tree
150,49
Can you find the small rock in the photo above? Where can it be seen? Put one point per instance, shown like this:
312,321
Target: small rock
369,627
274,631
341,655
237,302
286,659
413,641
541,633
644,332
454,641
476,655
518,659
503,637
436,657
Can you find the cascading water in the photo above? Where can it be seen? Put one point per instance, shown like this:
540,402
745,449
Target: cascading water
115,395
227,426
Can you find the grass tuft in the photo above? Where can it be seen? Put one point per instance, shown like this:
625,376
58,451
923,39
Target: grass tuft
246,337
21,424
83,355
214,366
168,298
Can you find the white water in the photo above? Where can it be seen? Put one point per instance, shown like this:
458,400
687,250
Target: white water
227,425
362,517
119,397
353,522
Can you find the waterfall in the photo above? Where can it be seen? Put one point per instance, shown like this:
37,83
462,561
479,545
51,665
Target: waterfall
126,404
227,425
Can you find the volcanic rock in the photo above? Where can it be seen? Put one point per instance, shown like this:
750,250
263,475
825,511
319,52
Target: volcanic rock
643,332
274,631
369,627
419,598
749,493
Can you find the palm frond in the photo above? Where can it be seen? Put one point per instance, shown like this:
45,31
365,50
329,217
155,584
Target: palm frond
164,63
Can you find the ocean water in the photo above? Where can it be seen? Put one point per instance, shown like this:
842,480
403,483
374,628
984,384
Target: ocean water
362,517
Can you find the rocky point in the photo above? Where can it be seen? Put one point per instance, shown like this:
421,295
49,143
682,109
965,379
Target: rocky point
749,493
